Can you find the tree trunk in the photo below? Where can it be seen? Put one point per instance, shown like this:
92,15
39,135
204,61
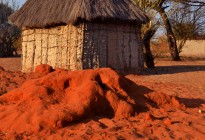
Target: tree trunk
170,35
149,59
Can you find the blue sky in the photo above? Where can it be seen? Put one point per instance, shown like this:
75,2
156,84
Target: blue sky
18,2
21,1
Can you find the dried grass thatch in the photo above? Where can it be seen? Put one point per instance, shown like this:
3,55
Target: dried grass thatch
45,13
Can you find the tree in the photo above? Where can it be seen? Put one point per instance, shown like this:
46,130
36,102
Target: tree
159,6
8,33
198,3
148,31
5,11
187,23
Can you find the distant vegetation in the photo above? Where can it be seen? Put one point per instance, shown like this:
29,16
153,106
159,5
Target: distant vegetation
9,34
182,20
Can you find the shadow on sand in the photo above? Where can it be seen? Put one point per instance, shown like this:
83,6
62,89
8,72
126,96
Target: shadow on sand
138,93
192,103
173,69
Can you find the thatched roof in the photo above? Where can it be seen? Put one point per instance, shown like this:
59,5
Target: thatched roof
45,13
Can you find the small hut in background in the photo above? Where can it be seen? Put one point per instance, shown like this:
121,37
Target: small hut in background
81,34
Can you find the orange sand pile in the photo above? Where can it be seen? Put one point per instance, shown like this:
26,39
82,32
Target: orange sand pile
60,97
10,80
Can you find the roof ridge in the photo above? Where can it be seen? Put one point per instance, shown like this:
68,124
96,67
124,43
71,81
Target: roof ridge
38,13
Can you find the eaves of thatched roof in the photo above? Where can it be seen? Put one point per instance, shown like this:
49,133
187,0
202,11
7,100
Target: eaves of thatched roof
45,13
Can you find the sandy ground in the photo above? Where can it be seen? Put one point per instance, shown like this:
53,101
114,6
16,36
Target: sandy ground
186,76
182,79
13,64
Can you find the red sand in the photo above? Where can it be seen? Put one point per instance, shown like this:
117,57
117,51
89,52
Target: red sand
92,104
10,80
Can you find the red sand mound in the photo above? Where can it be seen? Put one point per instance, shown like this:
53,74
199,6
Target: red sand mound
10,80
61,97
44,69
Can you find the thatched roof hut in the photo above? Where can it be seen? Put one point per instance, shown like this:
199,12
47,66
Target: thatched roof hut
83,32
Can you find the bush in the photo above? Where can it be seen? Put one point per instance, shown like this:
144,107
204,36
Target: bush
9,34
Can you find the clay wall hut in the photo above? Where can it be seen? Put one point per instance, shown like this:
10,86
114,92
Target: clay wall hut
81,34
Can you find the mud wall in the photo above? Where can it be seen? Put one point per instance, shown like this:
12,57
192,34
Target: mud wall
84,46
60,47
118,46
